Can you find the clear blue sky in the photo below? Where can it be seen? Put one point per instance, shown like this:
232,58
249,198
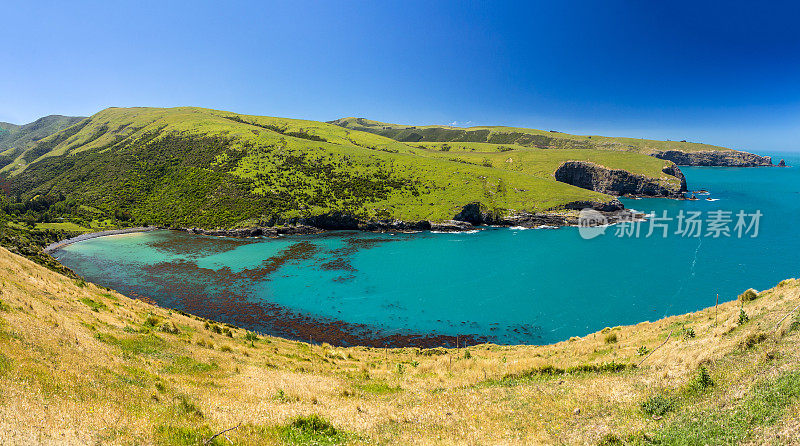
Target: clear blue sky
721,72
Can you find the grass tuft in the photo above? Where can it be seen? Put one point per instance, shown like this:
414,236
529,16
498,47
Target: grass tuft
657,405
312,430
93,304
749,295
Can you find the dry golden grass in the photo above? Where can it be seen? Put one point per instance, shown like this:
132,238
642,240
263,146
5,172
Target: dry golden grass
80,364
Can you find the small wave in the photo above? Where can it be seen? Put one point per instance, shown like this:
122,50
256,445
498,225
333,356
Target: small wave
525,228
712,199
471,231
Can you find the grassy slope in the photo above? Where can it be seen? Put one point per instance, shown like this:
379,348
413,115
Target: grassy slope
543,162
15,139
517,135
193,166
80,364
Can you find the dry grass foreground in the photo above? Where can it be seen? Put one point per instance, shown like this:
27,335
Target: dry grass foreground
80,364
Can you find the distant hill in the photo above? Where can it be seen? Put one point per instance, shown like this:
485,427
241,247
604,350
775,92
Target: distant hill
199,167
545,139
15,139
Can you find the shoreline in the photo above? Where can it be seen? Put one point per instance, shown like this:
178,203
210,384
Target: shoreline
539,221
90,235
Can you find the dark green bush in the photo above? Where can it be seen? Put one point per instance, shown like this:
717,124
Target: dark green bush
703,380
657,405
743,317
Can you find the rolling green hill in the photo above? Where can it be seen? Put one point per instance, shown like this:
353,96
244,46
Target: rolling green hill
516,136
199,167
16,139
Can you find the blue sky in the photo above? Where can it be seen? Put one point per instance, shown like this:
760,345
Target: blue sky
725,73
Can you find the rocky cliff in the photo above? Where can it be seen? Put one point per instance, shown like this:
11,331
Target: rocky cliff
620,182
729,158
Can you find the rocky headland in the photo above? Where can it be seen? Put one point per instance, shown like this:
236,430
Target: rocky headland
618,182
715,158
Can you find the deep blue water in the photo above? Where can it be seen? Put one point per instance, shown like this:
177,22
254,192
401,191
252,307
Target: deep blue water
510,286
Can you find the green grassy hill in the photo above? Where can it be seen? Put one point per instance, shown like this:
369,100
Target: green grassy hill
516,136
192,166
16,139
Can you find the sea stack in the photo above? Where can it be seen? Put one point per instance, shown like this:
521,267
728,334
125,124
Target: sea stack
782,163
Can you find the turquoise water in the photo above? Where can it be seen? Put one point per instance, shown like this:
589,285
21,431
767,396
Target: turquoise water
503,285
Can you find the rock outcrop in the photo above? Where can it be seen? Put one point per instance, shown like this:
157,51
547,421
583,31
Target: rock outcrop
477,213
620,182
721,158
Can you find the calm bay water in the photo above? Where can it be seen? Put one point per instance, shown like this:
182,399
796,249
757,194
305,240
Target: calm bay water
506,285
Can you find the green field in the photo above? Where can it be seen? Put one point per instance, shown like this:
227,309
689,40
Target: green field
517,135
198,167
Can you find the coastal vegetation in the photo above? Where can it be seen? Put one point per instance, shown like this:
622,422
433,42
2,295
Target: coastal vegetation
199,167
15,140
83,364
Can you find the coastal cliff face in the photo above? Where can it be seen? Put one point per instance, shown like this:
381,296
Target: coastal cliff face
471,215
620,182
720,158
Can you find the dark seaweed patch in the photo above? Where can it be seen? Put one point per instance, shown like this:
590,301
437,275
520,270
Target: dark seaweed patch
338,264
197,245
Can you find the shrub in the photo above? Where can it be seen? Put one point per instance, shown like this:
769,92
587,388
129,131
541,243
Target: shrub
467,354
795,323
227,332
688,333
657,405
611,338
749,295
250,336
641,351
151,321
743,317
312,427
169,327
703,380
